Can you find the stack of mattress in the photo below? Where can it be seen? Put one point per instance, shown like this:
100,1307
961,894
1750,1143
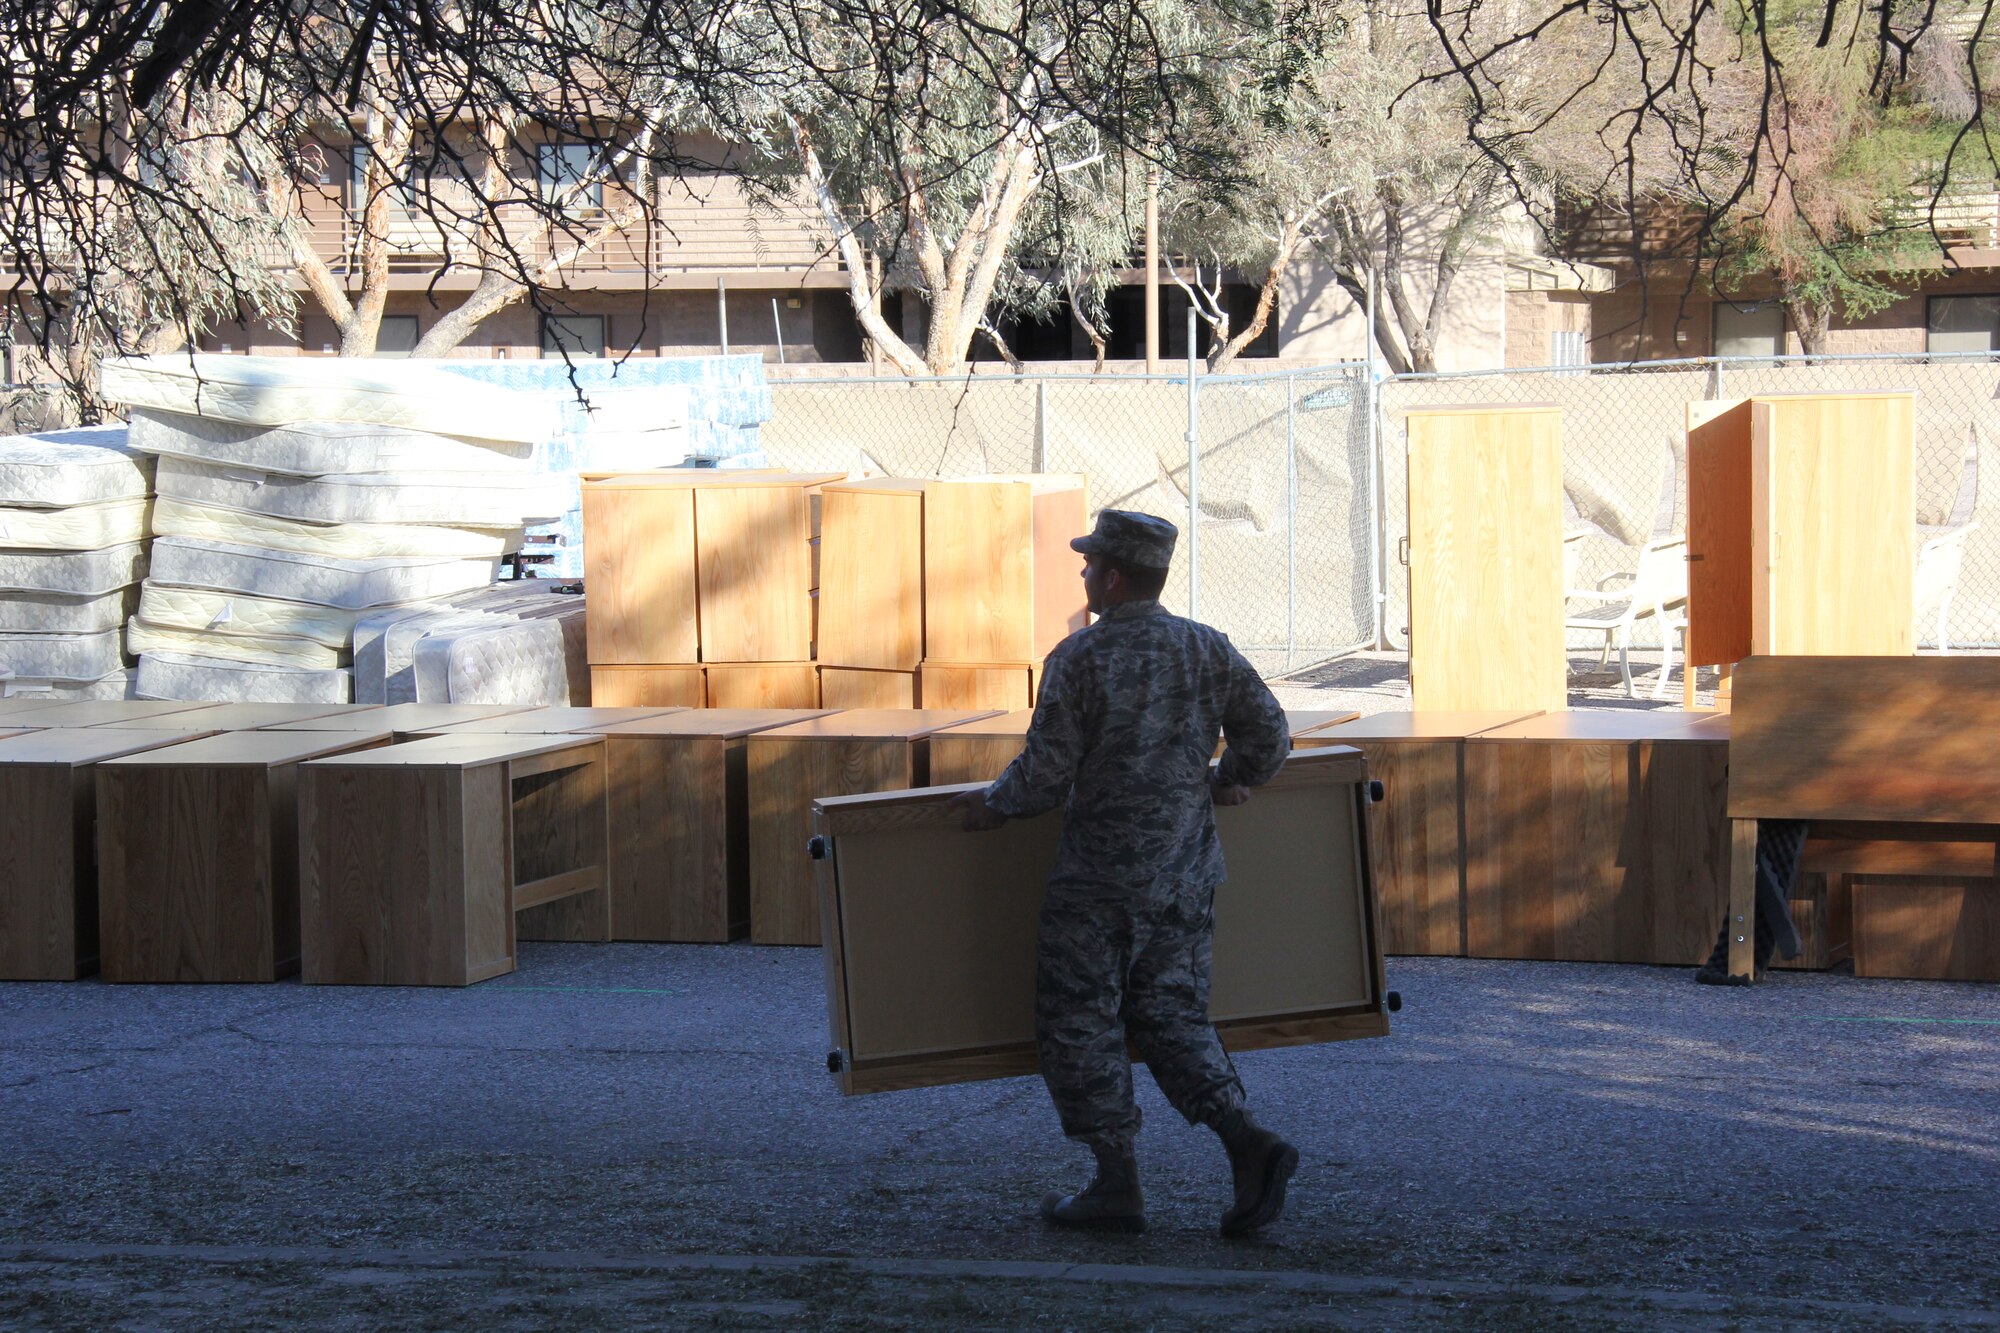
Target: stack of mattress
74,517
512,643
298,496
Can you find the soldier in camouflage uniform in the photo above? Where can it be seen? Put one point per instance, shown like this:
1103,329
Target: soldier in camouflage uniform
1128,716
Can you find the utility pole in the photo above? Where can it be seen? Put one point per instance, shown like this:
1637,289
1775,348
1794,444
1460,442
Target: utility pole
1153,270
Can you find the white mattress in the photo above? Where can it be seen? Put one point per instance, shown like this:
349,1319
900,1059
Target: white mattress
64,613
316,448
47,656
216,680
141,638
385,643
118,684
282,391
72,467
240,613
347,541
462,499
516,662
73,572
84,527
351,585
648,409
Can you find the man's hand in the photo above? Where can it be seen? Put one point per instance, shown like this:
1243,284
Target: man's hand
1227,793
979,816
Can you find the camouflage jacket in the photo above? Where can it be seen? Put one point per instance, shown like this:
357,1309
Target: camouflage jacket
1126,723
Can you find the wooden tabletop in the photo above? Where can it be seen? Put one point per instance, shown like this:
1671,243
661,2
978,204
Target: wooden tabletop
887,724
253,749
721,723
241,717
1712,727
403,717
105,712
82,745
1039,481
548,721
460,751
1421,726
880,485
1602,725
1000,724
680,478
1303,720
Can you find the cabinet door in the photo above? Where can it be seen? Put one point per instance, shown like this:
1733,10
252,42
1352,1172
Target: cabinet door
755,568
1486,593
638,562
1719,526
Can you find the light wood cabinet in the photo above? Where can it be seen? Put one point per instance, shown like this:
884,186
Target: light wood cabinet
979,685
647,687
1485,557
855,687
762,684
1000,581
871,574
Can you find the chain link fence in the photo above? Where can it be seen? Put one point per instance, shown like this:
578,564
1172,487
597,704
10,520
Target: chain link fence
1291,487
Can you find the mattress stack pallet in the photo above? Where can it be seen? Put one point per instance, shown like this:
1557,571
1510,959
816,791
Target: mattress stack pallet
297,497
75,510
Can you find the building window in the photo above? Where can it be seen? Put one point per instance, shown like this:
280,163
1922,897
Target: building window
563,165
1756,328
1962,324
577,335
397,336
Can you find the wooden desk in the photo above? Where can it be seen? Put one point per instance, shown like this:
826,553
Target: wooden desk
403,719
240,717
1890,761
48,847
103,712
416,857
198,855
840,754
679,804
931,931
977,751
553,721
1596,836
1416,837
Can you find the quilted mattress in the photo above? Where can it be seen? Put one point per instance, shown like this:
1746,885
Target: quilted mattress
536,661
118,684
84,527
316,448
142,638
385,643
217,680
72,467
79,573
64,613
290,576
283,390
463,499
44,655
346,541
240,613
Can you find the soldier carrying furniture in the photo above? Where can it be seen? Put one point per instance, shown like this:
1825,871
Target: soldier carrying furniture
1128,716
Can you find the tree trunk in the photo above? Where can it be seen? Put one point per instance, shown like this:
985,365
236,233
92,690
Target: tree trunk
1810,318
1223,353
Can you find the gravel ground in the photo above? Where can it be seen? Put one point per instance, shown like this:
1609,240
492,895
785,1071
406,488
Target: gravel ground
640,1136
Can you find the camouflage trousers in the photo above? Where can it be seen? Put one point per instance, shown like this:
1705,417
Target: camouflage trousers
1128,964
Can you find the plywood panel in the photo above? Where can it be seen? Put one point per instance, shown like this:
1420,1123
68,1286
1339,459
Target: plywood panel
979,571
1926,928
762,685
1414,842
48,873
639,564
871,575
932,931
785,776
647,687
1060,516
1719,528
679,853
1486,594
1834,527
947,685
106,712
754,569
1866,738
847,687
1594,850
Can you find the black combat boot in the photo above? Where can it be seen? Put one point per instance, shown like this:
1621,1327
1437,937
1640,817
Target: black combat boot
1260,1164
1110,1202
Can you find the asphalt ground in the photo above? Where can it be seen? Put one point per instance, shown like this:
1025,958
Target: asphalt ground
627,1135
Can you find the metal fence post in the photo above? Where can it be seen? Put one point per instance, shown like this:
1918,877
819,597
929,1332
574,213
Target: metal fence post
1378,537
1041,454
1194,479
1291,523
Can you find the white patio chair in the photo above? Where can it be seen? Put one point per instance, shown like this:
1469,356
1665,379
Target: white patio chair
1657,590
1941,549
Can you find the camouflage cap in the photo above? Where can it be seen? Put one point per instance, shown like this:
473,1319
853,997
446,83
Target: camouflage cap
1131,538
